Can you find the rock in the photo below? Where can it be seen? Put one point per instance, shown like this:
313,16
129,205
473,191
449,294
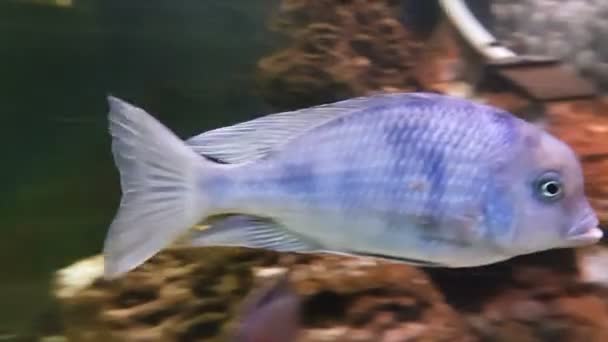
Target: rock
337,333
538,297
78,276
593,263
338,49
584,126
528,310
179,295
586,308
362,335
375,296
171,298
405,333
54,339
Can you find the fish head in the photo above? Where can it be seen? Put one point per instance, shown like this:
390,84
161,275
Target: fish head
547,187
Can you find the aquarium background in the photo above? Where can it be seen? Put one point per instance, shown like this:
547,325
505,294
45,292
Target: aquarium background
202,64
190,62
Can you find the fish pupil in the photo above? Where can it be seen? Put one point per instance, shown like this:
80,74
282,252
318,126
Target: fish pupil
551,189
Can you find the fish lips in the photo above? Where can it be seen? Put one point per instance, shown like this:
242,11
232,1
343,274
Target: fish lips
586,232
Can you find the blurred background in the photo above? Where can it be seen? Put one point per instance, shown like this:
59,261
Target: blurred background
190,62
203,64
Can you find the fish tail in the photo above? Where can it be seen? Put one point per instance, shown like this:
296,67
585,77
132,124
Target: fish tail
159,175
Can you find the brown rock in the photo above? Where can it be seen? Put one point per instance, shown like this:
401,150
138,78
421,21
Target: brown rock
362,335
513,331
179,295
339,49
584,125
406,332
589,308
528,310
439,62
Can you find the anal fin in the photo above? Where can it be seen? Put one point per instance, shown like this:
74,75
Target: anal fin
252,232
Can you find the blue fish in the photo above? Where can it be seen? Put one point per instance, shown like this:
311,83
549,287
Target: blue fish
270,314
420,178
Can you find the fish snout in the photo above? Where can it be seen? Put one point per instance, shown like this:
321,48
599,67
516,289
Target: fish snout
585,232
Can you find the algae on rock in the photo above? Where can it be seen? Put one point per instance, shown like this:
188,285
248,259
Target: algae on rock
338,49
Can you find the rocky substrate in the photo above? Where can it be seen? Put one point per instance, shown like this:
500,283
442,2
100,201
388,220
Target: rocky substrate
337,49
195,295
179,295
551,296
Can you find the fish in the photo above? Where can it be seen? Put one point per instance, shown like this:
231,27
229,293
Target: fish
420,178
270,314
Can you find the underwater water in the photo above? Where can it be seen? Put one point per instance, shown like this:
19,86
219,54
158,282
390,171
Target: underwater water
198,65
189,61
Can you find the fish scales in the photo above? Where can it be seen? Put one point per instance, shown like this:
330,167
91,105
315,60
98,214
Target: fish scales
420,178
405,166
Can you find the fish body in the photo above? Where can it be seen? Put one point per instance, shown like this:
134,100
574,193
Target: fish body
420,178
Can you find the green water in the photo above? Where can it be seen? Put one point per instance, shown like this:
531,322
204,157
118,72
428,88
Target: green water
190,62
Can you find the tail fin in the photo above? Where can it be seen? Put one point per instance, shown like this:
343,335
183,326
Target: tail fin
160,200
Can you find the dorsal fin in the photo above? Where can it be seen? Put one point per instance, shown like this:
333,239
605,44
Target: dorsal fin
255,138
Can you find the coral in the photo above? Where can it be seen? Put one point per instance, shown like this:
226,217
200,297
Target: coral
185,295
179,295
196,295
351,299
339,49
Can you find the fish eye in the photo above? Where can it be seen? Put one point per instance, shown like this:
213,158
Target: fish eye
549,187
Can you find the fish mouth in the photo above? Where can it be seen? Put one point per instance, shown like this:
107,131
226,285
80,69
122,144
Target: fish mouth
586,232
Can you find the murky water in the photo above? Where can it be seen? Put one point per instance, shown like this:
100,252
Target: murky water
190,62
